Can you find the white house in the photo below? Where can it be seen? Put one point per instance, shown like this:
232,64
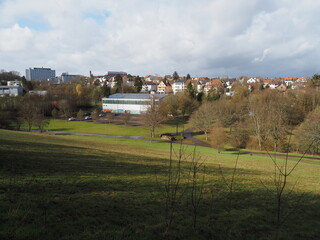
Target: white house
252,80
149,87
14,83
178,86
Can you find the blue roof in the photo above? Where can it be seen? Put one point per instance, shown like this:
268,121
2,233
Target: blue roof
137,95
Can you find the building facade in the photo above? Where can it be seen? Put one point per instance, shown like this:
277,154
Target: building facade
12,91
37,74
66,77
164,87
178,86
135,103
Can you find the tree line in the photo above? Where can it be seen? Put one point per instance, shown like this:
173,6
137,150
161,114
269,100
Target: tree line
262,119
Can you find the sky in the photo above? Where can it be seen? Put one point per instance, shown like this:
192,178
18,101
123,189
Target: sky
214,38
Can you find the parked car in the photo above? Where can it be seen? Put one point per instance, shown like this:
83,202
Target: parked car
101,115
88,118
87,114
72,119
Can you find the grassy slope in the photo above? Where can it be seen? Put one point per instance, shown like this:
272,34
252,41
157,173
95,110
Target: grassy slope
69,187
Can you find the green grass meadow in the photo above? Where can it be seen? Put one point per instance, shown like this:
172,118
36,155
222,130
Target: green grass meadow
76,187
104,128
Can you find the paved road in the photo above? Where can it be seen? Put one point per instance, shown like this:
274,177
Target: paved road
187,133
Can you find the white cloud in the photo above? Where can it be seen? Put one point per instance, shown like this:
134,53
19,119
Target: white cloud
15,39
203,37
264,55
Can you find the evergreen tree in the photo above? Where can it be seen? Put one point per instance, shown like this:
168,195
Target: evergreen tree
315,80
106,91
27,85
138,83
191,91
175,76
119,81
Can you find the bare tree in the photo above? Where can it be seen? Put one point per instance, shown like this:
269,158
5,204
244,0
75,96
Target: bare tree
218,136
54,112
65,108
27,114
80,115
203,118
153,118
309,131
198,172
126,117
110,117
41,121
95,115
258,114
172,186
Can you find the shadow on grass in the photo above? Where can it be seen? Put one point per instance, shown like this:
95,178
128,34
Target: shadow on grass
66,192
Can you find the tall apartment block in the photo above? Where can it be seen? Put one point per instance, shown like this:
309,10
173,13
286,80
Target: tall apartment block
40,74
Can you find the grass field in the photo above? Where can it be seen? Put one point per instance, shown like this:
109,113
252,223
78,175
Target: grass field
102,128
74,187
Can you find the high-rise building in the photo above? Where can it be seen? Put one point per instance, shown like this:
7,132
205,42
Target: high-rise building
40,74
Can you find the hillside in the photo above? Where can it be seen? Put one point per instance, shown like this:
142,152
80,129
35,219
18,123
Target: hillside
73,187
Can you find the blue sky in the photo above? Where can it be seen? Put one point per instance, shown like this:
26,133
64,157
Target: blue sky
201,37
34,23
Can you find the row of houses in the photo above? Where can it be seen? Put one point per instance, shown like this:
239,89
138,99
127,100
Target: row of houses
167,85
289,82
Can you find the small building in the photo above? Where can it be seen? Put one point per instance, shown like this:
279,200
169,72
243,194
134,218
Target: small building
14,83
38,92
135,103
12,91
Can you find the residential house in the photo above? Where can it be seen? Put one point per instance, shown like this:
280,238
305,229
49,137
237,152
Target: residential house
253,80
179,86
216,84
200,83
289,81
299,83
164,87
270,83
281,86
149,87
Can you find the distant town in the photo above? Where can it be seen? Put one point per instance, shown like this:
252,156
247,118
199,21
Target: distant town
168,84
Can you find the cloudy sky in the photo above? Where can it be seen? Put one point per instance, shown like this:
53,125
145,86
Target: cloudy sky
270,38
